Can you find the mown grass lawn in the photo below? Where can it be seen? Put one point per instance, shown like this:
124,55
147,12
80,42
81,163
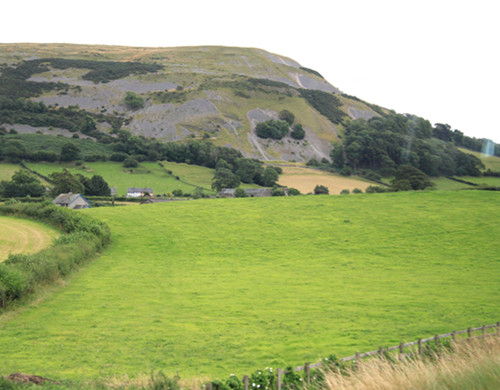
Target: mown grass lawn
221,286
19,235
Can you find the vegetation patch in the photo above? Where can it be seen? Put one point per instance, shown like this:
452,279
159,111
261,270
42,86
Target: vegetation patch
214,287
22,274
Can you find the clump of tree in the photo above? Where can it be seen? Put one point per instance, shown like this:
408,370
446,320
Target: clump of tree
382,144
21,184
133,101
273,128
287,116
298,132
321,190
410,178
64,182
325,103
244,170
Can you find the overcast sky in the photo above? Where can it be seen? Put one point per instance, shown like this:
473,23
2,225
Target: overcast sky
437,59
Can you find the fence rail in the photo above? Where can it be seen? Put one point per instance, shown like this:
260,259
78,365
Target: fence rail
381,351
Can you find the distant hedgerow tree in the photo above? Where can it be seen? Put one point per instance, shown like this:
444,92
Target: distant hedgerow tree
21,184
410,178
224,178
321,189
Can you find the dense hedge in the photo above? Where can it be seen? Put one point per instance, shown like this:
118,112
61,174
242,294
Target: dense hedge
83,237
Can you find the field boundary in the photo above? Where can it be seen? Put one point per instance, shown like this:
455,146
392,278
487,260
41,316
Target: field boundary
381,352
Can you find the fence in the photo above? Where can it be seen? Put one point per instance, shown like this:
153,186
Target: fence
400,348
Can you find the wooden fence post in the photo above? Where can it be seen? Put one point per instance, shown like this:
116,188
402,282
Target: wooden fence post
209,386
278,381
381,352
454,336
307,370
484,331
469,333
358,359
401,351
246,381
420,347
436,340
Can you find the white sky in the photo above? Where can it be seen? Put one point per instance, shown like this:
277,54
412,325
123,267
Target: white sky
437,59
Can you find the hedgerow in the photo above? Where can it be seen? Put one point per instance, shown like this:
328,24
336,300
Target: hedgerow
84,236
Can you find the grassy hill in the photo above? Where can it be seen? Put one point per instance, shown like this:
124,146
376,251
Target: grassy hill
213,287
188,92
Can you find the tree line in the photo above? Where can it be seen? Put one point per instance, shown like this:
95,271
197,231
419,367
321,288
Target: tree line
382,144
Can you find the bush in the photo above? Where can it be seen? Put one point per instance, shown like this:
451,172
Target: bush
293,192
177,192
320,190
134,101
345,192
287,116
298,132
130,163
275,129
240,193
357,191
21,274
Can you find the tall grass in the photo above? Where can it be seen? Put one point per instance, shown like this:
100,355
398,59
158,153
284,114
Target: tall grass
468,366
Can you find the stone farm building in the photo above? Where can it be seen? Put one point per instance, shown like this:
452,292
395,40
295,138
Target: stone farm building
139,192
72,201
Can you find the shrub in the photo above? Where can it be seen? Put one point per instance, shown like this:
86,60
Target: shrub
177,192
240,193
130,163
134,101
298,132
293,192
357,191
321,189
119,156
21,274
275,129
287,116
345,192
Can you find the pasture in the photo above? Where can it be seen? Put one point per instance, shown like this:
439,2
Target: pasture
23,236
148,174
214,287
305,179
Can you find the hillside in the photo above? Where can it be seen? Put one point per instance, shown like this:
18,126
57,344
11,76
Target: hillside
214,287
187,92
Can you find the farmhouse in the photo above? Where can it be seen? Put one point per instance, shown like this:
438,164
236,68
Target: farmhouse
252,192
138,192
72,201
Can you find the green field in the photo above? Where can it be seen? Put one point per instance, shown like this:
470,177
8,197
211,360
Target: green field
490,162
7,170
149,174
214,287
23,236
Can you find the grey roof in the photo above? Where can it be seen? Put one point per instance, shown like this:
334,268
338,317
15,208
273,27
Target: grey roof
66,199
139,189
